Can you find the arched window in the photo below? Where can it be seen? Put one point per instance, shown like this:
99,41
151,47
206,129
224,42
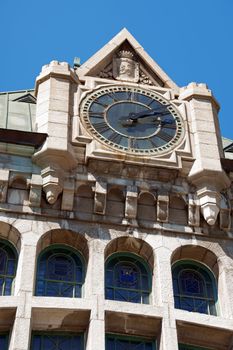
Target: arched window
8,263
127,279
116,342
60,273
194,287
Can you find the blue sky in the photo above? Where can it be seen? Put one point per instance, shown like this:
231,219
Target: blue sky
190,40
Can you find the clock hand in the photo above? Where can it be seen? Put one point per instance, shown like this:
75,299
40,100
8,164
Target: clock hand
147,113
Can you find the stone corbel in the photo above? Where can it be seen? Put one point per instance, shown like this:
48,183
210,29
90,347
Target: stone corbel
209,203
163,207
131,202
52,184
4,179
193,211
68,195
35,190
225,214
100,197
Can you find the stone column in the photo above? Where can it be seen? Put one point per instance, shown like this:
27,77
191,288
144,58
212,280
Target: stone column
165,289
225,287
95,290
21,333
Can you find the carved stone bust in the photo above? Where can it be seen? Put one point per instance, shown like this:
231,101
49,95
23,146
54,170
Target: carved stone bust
125,67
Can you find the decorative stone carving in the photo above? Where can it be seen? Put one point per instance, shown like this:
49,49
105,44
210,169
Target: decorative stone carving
100,197
52,184
106,73
193,211
144,79
68,195
4,177
125,67
35,190
163,207
210,203
131,202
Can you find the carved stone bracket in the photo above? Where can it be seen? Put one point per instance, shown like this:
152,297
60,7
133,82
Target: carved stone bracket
52,184
163,207
100,197
193,211
68,195
210,203
131,202
4,178
35,190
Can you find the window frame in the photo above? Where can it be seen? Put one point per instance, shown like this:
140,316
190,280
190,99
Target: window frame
66,250
130,338
44,334
201,269
5,243
136,260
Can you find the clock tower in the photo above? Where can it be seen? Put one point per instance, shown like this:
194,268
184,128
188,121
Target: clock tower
119,214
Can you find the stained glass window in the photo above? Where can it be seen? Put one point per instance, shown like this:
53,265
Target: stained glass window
191,347
8,263
60,273
52,341
114,342
194,288
3,341
127,279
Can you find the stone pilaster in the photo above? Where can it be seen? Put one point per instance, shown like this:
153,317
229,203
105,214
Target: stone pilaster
206,173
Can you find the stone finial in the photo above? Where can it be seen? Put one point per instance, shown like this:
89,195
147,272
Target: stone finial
100,197
52,184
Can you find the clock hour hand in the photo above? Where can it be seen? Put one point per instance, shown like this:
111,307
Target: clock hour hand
144,117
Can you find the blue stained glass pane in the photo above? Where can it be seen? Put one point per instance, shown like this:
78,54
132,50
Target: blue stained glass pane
127,280
193,288
3,341
57,342
109,278
128,343
11,268
79,274
8,286
36,342
3,260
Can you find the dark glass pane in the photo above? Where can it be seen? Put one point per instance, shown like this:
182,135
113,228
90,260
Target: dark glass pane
3,260
109,278
11,268
109,294
201,306
145,282
127,276
145,298
36,342
79,274
187,304
8,286
3,342
191,283
177,302
121,295
60,268
78,291
175,286
56,342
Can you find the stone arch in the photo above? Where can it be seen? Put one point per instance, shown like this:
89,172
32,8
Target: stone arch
131,245
198,253
66,238
11,234
146,206
115,206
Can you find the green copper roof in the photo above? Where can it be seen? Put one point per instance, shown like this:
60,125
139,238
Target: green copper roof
18,110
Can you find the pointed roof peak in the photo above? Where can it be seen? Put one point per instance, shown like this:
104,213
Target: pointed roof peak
103,58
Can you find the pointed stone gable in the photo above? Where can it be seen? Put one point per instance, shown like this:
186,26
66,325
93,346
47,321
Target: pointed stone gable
124,44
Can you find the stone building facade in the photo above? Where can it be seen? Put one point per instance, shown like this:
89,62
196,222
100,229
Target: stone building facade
115,210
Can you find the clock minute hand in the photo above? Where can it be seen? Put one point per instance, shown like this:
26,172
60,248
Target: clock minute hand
154,112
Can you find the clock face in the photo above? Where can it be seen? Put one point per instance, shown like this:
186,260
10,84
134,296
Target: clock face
132,119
